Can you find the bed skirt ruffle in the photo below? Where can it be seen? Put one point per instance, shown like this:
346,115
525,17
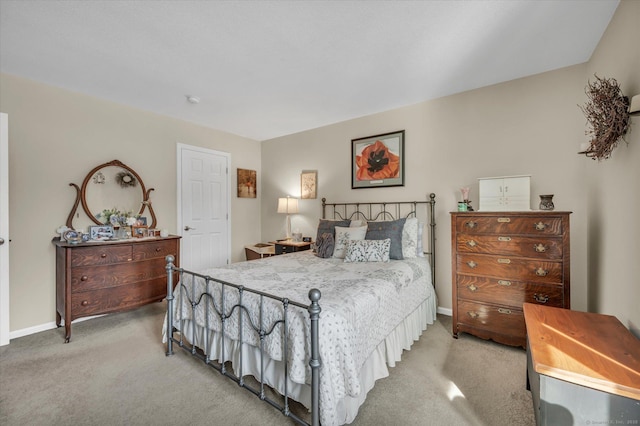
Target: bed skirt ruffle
385,355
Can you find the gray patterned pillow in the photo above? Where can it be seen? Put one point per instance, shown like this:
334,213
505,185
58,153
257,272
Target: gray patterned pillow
326,225
389,229
368,251
324,245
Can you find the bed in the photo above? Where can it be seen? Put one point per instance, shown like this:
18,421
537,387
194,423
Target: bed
250,322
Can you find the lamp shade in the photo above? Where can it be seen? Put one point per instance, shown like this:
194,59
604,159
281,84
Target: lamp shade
288,205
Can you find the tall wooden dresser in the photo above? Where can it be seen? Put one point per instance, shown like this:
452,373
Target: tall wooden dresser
501,260
104,277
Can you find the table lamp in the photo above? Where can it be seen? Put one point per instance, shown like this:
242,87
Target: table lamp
289,206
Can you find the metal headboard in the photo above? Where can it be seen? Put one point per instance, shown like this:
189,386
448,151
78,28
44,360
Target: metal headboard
389,210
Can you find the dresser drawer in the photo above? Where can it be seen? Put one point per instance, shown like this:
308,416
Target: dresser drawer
507,292
537,247
102,255
508,321
91,278
510,268
117,298
507,224
152,250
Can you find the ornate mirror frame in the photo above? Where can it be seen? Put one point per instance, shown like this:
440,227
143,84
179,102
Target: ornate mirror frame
81,194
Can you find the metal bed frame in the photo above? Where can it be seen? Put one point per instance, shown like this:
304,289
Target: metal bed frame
371,212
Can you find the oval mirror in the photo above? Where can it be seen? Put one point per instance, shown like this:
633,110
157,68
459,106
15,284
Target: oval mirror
113,186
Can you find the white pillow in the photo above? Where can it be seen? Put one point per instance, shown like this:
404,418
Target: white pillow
410,238
368,251
357,223
343,235
420,251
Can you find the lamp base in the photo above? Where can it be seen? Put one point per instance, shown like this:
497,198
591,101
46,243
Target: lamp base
288,227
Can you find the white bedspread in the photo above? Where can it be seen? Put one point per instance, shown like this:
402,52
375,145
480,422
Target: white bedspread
362,303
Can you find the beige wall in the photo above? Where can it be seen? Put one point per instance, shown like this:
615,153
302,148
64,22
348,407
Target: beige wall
527,126
613,226
56,137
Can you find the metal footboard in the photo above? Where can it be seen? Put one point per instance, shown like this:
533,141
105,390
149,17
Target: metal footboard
224,313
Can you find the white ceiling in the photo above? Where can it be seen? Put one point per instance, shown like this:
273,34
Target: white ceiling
264,69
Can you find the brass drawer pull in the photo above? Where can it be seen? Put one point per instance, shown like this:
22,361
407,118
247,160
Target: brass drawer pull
103,255
84,303
472,243
504,283
542,272
471,224
472,287
541,298
540,248
504,238
504,311
471,264
505,261
540,226
84,278
472,314
504,220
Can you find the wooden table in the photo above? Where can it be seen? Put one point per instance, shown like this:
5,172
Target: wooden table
259,251
582,368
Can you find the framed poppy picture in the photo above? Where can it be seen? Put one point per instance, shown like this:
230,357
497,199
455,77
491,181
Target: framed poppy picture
378,161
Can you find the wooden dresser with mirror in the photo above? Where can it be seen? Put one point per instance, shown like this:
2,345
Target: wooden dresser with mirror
110,275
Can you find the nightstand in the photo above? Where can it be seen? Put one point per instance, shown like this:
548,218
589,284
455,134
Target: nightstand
283,247
258,251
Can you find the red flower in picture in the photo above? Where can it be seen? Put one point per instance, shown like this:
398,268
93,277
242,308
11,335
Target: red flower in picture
377,162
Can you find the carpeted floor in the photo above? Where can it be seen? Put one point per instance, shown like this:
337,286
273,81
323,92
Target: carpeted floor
115,372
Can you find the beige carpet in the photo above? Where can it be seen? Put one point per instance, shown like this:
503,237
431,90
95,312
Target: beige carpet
115,372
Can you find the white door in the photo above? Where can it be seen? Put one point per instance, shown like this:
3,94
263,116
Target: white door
203,210
4,229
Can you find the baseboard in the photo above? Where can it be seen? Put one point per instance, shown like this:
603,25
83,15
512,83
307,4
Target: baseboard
32,330
51,325
43,327
444,311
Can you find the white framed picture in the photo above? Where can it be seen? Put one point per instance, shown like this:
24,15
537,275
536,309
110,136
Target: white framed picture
101,232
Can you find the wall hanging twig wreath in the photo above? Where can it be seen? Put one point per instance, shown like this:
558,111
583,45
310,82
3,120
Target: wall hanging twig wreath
126,179
607,113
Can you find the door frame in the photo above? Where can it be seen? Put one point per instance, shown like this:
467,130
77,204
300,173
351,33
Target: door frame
180,225
4,230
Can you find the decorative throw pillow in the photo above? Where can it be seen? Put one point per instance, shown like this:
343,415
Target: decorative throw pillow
389,229
324,245
420,250
326,225
368,251
357,223
343,236
410,238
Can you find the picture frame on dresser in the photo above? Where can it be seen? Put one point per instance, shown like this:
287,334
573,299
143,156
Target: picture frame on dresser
101,232
139,231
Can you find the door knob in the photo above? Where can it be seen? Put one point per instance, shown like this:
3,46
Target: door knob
1,241
188,228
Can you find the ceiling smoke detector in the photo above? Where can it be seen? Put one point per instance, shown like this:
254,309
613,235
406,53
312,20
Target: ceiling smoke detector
193,99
